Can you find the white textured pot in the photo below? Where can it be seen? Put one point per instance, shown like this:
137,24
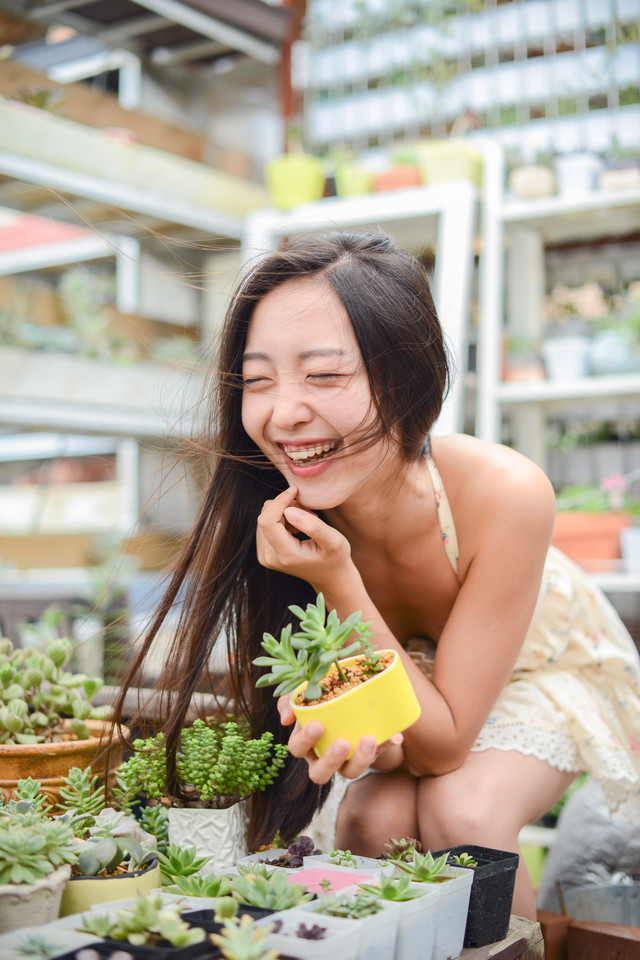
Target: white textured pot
567,357
630,548
23,904
218,834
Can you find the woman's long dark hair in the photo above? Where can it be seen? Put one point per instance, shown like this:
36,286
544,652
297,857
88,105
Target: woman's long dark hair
217,584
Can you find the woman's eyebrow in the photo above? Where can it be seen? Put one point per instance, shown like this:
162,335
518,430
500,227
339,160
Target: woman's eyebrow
304,355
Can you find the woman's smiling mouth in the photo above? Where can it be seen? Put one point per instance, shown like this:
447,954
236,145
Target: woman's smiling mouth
309,454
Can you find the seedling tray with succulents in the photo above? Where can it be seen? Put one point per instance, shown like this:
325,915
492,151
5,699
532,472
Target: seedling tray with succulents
111,948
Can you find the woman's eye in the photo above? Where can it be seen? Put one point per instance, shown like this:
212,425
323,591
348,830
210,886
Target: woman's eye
252,381
324,376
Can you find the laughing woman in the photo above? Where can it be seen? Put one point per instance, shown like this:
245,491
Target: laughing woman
324,478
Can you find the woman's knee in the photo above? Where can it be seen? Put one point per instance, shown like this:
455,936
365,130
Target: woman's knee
453,810
374,810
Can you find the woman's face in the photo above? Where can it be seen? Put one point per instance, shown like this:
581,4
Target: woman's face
306,396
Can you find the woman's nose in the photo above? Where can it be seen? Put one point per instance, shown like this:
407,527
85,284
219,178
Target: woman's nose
289,408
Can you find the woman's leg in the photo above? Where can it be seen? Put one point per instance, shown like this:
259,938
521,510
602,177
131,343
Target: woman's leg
380,806
487,801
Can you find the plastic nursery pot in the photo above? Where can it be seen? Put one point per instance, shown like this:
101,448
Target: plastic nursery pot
491,893
81,893
205,918
451,913
293,179
340,940
417,920
381,706
377,933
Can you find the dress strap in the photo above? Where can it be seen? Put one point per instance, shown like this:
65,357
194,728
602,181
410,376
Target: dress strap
445,517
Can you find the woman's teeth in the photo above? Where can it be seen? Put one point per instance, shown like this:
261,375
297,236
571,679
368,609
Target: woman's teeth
302,454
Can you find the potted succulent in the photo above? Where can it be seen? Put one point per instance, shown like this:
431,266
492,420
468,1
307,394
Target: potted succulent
530,180
453,903
417,913
36,854
403,172
218,765
47,721
325,938
153,929
116,860
590,521
375,920
286,858
494,877
337,677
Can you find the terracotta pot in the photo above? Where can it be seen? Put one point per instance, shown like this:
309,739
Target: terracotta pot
591,539
50,762
398,178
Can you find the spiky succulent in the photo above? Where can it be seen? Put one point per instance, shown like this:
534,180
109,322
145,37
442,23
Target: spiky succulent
31,845
38,696
199,886
309,654
403,849
275,893
242,940
178,862
155,820
397,887
424,869
82,792
464,859
149,923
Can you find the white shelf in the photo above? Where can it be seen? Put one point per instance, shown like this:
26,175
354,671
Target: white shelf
585,216
585,388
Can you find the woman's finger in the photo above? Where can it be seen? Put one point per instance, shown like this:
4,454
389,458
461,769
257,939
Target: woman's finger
287,716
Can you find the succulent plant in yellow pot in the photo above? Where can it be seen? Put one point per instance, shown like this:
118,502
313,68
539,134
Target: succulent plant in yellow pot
337,677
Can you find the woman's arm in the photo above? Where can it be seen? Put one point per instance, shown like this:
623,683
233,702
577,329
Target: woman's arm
504,527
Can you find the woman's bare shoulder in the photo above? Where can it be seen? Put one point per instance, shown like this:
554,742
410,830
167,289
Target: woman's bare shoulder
477,474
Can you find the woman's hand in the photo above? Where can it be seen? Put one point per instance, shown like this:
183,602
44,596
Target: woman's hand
387,756
322,559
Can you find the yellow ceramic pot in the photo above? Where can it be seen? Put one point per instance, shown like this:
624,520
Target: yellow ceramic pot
293,179
81,893
385,704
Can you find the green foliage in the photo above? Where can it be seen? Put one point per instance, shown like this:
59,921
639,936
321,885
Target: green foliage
242,940
177,862
397,887
36,945
199,886
464,860
342,858
82,792
215,758
110,845
362,904
149,923
37,695
424,869
275,893
309,654
31,845
255,869
403,849
29,790
155,820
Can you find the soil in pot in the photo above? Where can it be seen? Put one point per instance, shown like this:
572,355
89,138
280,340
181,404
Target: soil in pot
355,672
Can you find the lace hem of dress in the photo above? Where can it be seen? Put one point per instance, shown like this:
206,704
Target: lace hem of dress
556,749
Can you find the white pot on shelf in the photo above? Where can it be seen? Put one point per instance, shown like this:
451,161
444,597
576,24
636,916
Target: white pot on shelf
577,173
566,357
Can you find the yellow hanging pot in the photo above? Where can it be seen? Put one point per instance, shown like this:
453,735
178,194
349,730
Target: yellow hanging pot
380,706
